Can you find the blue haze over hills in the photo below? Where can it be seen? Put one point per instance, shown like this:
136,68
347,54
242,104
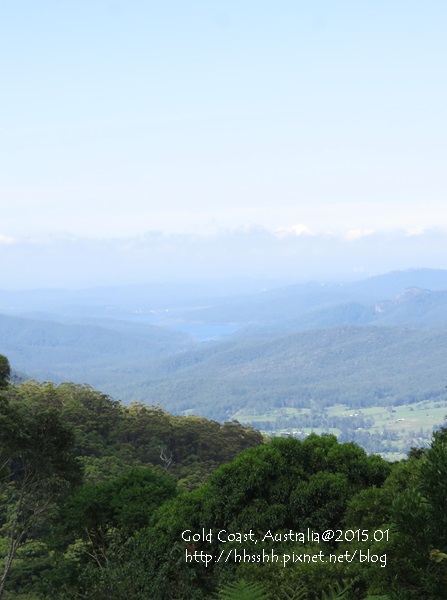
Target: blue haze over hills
212,351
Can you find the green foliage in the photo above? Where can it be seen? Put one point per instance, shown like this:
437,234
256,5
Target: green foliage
337,591
419,518
298,592
110,437
289,484
125,483
369,509
126,502
119,534
93,416
257,491
37,469
241,590
5,371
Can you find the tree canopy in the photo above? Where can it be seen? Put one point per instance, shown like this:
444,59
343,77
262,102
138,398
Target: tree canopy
5,371
95,499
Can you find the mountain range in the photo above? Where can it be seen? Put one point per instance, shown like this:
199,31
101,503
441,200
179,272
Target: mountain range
375,342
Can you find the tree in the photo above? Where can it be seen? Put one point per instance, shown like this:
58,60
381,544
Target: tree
419,518
37,468
282,485
5,371
99,522
287,483
126,502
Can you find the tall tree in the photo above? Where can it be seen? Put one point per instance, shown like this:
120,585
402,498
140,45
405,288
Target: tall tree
37,468
419,517
5,371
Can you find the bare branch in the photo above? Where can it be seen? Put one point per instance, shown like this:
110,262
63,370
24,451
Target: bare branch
165,459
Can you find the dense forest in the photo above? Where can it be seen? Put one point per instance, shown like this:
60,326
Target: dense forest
103,501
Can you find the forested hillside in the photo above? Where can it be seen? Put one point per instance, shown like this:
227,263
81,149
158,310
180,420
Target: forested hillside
358,367
95,351
363,360
102,501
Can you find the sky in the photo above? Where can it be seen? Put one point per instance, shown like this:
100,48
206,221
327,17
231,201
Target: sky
148,140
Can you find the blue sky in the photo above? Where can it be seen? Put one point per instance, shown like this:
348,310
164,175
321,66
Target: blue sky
207,119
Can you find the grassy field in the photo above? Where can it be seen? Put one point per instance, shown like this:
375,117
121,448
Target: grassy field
423,415
407,424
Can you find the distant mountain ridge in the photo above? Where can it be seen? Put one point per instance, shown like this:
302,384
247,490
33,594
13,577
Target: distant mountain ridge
376,340
322,304
84,353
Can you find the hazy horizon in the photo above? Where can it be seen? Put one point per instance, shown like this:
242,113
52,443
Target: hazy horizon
287,140
251,255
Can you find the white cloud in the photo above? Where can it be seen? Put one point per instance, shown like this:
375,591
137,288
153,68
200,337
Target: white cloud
415,231
294,230
251,252
4,239
357,234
